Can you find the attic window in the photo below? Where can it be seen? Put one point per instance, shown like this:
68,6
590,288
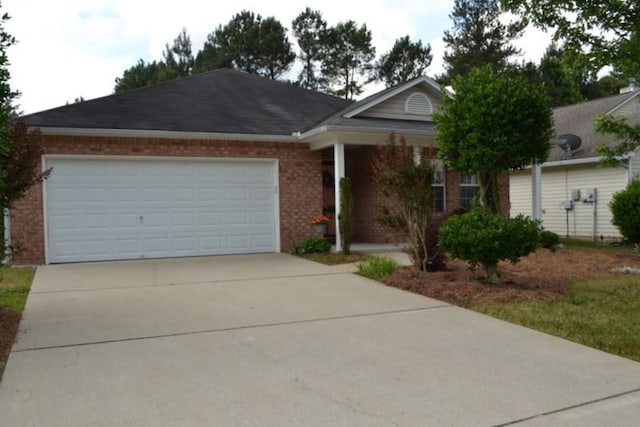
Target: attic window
418,103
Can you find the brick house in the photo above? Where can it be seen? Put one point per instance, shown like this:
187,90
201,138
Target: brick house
216,163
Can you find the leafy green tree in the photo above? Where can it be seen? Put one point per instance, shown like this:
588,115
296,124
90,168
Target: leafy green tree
559,77
308,28
625,207
627,134
494,123
179,57
483,237
140,75
602,29
248,43
478,37
409,207
405,61
346,59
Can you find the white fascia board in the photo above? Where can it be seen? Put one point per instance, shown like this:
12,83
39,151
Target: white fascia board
572,162
632,96
136,133
329,129
391,94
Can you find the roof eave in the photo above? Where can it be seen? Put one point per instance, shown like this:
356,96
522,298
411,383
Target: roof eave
143,133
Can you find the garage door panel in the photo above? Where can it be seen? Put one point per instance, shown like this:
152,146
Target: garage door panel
122,209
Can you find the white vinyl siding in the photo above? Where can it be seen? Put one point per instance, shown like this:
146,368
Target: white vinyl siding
395,107
109,209
557,183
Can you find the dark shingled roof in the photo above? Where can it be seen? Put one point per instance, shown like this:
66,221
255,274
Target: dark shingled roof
218,101
578,119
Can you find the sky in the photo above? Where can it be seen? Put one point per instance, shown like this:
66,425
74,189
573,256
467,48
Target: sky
72,48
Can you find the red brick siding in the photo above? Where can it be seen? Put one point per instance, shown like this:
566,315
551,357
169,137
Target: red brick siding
300,181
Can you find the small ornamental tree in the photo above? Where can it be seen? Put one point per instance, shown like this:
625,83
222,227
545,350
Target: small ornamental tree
20,165
483,237
405,179
345,219
625,207
494,123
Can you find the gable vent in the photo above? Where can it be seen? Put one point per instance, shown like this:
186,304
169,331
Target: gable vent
418,103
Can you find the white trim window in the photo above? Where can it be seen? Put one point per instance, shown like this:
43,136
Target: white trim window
438,185
469,189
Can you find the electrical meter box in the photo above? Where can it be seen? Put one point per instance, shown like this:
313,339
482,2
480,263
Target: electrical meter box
567,204
575,195
589,195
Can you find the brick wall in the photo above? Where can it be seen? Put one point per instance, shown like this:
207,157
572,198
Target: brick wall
300,181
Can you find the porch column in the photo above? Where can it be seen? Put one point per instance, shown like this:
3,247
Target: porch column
338,173
536,191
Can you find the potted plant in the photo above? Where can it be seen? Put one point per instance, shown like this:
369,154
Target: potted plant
320,223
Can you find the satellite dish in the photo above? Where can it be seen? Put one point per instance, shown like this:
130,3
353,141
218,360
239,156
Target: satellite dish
569,142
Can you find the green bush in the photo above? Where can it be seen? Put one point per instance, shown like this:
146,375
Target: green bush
625,207
481,237
312,245
377,267
549,240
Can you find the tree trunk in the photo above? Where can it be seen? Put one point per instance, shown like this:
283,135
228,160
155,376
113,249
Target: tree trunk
492,276
489,191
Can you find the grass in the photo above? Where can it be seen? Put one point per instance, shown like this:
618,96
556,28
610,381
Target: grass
579,244
14,287
602,313
377,267
329,258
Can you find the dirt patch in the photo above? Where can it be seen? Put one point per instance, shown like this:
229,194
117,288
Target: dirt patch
9,322
542,275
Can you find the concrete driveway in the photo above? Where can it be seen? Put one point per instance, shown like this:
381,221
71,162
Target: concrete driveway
272,340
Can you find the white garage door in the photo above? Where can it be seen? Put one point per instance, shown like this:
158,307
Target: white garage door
130,208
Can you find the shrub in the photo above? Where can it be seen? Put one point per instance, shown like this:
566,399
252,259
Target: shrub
377,267
549,240
435,259
312,245
482,237
625,207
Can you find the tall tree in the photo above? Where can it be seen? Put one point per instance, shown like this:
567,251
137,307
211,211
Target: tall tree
494,123
559,77
140,75
346,58
179,56
602,29
478,37
308,28
405,61
249,43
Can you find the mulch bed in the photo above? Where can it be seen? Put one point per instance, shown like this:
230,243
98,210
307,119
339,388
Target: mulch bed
543,275
9,322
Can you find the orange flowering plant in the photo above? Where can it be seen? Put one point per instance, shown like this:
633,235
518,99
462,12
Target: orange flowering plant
320,219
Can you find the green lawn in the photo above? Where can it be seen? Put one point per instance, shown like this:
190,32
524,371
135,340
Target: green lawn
330,258
602,313
14,287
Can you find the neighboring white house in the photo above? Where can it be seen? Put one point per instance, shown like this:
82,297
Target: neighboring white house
576,189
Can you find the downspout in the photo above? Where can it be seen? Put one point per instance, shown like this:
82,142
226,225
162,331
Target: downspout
595,215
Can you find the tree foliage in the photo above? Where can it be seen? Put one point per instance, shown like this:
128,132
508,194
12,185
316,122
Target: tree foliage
494,123
628,136
20,166
179,57
625,207
485,238
405,61
309,29
407,185
248,43
561,79
346,58
603,29
478,37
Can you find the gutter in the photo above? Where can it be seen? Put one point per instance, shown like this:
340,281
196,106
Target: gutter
327,129
137,133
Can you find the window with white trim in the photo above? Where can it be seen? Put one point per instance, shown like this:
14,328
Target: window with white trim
469,189
438,186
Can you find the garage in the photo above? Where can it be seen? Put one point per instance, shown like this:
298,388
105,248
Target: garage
101,209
